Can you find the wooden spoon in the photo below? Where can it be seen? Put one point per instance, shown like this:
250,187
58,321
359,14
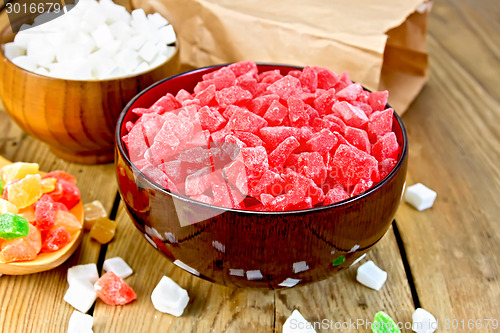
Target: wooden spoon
46,261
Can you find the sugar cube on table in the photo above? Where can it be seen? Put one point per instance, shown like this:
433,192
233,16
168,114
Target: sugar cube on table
81,295
86,272
420,196
169,297
296,323
423,321
80,322
118,266
371,276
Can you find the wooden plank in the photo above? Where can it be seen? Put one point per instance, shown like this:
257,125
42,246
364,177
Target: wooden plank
342,304
212,308
35,302
454,131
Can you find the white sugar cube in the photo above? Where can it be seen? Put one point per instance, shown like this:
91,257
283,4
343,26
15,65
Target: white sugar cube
102,35
120,30
167,35
143,67
118,266
80,322
420,197
139,19
93,16
289,282
42,71
148,51
86,272
25,62
135,42
423,321
296,323
128,60
254,275
81,295
12,50
371,276
157,20
190,269
41,52
169,297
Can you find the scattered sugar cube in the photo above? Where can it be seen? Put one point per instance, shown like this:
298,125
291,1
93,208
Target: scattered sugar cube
86,272
371,276
80,322
423,321
169,297
289,282
420,197
81,295
118,266
296,323
182,265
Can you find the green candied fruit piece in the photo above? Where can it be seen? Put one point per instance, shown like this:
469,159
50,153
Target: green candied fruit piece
384,324
338,261
13,226
1,186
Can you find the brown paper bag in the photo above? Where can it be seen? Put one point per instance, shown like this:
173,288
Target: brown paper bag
380,42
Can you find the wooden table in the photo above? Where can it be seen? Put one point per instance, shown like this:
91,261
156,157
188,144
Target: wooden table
444,259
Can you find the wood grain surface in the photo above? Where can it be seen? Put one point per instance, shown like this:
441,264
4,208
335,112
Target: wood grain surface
444,259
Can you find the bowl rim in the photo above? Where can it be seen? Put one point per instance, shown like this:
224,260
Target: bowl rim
154,185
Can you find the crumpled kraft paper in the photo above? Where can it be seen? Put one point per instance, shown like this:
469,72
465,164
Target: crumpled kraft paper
381,43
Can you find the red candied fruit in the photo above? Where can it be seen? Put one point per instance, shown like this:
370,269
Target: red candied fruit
112,290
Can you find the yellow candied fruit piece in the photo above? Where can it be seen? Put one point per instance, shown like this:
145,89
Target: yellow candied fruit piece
92,211
7,207
103,230
48,185
18,170
26,191
68,221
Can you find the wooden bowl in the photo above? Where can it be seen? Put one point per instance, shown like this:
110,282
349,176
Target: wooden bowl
75,118
231,246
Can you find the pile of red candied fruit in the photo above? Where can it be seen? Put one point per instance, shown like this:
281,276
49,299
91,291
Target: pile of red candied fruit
266,141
